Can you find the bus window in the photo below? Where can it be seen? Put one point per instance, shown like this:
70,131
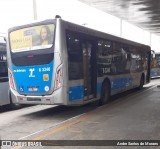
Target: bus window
104,57
139,60
155,64
120,57
157,57
75,59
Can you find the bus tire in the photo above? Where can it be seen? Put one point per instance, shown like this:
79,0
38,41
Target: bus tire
105,93
141,82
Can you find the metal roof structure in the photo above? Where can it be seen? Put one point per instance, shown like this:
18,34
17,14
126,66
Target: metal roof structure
142,13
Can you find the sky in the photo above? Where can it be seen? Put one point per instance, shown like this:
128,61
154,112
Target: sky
16,12
13,12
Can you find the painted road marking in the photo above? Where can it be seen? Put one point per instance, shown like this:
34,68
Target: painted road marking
58,129
86,116
52,126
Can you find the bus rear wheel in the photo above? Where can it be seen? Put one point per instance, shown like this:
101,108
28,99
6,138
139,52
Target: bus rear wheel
105,93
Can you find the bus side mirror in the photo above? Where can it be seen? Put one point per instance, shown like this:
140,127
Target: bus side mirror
153,53
5,39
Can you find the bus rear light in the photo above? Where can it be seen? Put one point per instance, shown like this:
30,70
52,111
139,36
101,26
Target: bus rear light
30,56
11,80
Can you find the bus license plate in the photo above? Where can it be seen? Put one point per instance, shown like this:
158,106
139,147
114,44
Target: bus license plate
33,89
33,99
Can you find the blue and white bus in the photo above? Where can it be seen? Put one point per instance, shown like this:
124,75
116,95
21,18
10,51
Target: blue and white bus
58,62
155,64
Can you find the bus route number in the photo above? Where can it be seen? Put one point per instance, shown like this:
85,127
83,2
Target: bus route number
44,69
106,70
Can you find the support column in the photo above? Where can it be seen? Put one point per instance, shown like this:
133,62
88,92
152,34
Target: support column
121,29
150,39
34,9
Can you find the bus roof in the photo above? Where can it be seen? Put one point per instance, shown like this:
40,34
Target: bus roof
83,29
30,24
100,34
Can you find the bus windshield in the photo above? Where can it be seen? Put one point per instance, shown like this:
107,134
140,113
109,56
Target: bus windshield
156,61
32,38
157,57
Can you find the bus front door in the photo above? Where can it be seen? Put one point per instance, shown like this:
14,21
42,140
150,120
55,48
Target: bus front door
89,72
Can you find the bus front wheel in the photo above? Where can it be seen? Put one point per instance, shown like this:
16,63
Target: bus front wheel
105,93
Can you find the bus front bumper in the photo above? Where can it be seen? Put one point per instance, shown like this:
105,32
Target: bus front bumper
24,99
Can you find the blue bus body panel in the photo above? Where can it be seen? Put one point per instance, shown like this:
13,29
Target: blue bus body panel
120,83
77,92
33,79
155,72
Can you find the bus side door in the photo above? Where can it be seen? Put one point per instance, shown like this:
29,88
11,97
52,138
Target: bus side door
89,68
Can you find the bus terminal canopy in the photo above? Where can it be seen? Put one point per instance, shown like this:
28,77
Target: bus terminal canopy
142,13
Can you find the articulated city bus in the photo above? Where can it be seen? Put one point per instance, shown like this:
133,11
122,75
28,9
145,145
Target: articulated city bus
155,64
58,62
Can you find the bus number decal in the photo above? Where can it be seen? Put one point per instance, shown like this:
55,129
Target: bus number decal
106,70
44,69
